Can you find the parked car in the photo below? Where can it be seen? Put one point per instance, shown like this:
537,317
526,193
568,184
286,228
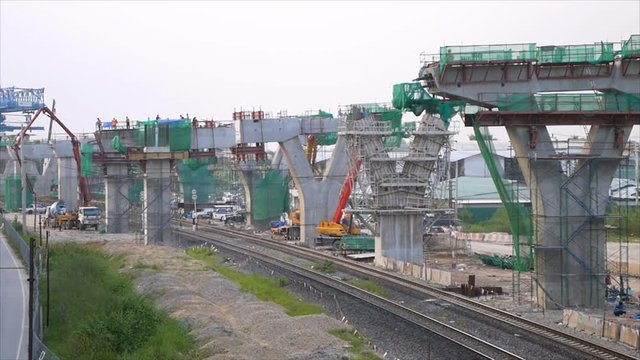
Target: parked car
36,208
221,213
235,218
205,213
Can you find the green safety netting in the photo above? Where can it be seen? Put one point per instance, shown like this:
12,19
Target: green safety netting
568,102
194,175
137,186
117,145
520,221
594,53
503,262
413,97
486,53
270,197
176,134
13,192
86,160
395,118
323,139
631,47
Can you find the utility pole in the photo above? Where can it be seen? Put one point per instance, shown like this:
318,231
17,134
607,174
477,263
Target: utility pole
23,180
636,172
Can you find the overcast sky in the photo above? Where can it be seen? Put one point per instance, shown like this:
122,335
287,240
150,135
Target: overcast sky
206,58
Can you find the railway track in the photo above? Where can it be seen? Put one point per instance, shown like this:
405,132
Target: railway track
577,344
467,345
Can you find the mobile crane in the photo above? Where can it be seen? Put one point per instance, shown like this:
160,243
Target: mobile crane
84,187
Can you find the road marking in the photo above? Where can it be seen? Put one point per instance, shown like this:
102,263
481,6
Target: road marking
13,258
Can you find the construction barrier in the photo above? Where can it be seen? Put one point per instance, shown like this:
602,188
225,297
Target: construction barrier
623,330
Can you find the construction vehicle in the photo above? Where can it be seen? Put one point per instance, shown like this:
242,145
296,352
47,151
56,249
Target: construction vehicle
88,216
288,226
84,186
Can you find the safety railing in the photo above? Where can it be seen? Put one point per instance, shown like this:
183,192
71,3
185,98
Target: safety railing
562,102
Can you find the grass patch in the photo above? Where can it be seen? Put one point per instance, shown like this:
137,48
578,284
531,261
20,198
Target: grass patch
141,265
96,314
264,288
369,286
327,267
359,351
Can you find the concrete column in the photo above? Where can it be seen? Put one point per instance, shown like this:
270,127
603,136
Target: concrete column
157,202
318,197
568,213
246,178
68,189
402,235
117,198
49,173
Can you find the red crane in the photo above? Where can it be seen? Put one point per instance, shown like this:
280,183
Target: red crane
84,187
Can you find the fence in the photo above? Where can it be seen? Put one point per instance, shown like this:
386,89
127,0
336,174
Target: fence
39,349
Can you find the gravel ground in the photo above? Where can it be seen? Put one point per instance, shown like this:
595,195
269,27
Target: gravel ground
224,320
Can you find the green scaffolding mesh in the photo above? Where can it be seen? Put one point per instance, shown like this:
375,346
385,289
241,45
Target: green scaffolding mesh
594,53
413,97
568,102
86,160
137,186
270,197
486,53
519,217
176,134
195,175
631,47
117,145
323,139
395,118
13,192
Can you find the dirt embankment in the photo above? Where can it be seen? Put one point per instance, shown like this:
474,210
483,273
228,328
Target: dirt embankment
226,323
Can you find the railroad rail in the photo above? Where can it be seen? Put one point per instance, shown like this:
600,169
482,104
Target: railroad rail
578,344
472,346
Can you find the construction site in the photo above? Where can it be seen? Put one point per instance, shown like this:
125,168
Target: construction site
365,181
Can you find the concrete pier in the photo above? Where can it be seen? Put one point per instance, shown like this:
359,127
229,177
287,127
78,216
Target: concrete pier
157,200
116,198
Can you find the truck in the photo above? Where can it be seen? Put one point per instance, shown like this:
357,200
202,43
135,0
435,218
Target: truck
88,216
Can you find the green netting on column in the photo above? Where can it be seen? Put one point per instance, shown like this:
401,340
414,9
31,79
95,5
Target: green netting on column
592,53
13,192
270,198
395,118
194,175
133,195
413,97
486,53
86,160
176,134
117,145
519,217
631,47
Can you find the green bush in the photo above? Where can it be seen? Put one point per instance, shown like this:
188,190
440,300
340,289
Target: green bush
96,314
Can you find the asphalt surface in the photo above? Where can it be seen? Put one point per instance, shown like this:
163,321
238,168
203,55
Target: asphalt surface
14,302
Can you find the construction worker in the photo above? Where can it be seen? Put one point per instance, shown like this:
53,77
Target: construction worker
98,125
114,123
619,309
127,121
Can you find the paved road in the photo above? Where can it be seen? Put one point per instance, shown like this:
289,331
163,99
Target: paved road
14,302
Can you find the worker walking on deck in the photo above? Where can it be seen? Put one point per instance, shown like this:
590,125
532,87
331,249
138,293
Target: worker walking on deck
114,123
127,122
98,125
